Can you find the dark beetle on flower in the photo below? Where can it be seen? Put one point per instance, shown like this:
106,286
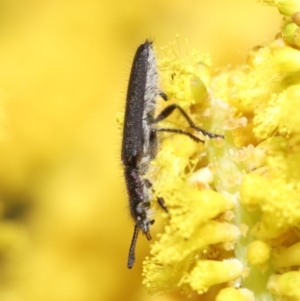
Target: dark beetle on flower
139,144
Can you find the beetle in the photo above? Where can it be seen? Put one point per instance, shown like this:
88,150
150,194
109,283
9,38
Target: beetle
139,145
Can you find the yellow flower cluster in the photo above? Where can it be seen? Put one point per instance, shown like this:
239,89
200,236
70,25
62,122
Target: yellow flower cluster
234,204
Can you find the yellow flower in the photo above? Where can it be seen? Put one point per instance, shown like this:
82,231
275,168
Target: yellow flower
234,204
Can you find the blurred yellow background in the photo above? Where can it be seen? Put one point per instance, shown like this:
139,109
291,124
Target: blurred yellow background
65,227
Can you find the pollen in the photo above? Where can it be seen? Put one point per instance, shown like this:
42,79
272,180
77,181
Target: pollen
258,252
